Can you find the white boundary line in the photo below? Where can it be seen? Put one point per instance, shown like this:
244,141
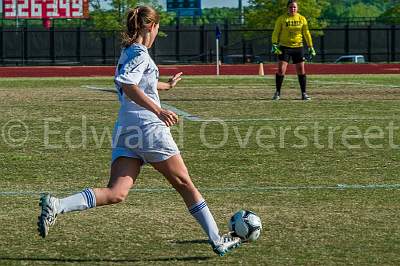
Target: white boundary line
195,118
226,189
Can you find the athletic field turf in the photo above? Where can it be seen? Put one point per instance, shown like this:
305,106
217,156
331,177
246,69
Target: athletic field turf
323,175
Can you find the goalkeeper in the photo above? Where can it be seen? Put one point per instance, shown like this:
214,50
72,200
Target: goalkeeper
287,42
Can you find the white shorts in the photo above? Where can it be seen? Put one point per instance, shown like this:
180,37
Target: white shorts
150,143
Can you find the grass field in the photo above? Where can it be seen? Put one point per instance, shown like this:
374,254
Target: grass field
323,175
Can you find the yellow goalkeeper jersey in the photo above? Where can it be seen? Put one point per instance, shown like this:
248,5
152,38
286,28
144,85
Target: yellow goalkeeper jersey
290,30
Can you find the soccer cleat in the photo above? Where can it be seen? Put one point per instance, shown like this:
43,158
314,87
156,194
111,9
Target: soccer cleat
48,215
305,97
276,96
226,243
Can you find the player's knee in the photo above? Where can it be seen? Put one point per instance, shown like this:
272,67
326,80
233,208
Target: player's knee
183,184
118,196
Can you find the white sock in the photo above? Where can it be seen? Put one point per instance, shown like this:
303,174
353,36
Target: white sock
78,202
204,217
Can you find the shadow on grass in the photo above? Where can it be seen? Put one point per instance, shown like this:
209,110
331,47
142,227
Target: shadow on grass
127,260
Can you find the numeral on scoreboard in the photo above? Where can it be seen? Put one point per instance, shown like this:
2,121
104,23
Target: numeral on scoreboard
77,7
65,5
36,9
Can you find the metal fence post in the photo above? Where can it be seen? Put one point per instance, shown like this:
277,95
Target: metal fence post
244,50
103,50
1,46
78,44
346,39
322,48
177,40
25,44
393,44
202,44
369,43
52,46
388,44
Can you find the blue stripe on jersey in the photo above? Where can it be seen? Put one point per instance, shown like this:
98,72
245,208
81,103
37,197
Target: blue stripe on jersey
198,207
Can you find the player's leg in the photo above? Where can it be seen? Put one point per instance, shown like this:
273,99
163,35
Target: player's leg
298,60
302,77
174,169
123,175
283,60
124,172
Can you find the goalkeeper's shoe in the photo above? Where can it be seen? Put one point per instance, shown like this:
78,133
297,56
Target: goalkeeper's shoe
305,97
48,215
276,96
225,244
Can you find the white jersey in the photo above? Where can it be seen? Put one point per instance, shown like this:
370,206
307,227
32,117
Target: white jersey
135,66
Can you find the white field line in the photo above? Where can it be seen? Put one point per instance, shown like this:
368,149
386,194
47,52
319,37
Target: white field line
302,120
233,189
196,118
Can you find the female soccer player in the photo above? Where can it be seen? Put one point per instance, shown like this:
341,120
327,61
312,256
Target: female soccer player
141,135
287,42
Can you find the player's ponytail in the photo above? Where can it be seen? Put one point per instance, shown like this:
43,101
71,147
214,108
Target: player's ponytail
137,20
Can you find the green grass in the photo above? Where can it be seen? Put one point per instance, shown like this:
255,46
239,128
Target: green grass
282,160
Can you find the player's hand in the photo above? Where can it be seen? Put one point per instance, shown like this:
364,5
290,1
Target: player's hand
168,117
275,49
311,52
175,79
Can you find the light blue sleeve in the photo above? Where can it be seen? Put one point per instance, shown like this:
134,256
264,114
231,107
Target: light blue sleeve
130,70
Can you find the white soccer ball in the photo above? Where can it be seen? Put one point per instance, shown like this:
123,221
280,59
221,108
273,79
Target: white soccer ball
246,225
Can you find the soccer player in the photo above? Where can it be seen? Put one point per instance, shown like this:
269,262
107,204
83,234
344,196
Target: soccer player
287,42
141,135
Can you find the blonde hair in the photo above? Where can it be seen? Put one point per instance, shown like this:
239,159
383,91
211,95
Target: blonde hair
137,20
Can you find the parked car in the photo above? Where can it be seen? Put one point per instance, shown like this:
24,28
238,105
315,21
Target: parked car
355,59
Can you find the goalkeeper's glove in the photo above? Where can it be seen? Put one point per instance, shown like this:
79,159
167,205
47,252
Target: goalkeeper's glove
311,52
275,49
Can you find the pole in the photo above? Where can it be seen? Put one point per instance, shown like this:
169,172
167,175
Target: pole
241,13
16,14
217,37
217,49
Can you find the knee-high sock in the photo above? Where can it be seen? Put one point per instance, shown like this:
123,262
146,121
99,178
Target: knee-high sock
204,217
278,82
302,82
78,202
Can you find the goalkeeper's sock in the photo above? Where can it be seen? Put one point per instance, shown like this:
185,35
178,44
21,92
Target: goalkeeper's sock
204,217
303,83
278,82
78,202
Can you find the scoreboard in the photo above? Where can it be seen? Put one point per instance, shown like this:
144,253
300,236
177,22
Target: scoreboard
185,7
45,9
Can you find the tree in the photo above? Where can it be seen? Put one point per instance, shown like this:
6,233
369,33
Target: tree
263,13
391,15
219,14
363,10
343,9
113,18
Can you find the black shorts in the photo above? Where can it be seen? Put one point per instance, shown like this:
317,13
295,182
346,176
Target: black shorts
297,54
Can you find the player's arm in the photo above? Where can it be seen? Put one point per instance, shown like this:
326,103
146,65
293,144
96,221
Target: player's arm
134,93
170,83
307,37
275,37
277,31
306,33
